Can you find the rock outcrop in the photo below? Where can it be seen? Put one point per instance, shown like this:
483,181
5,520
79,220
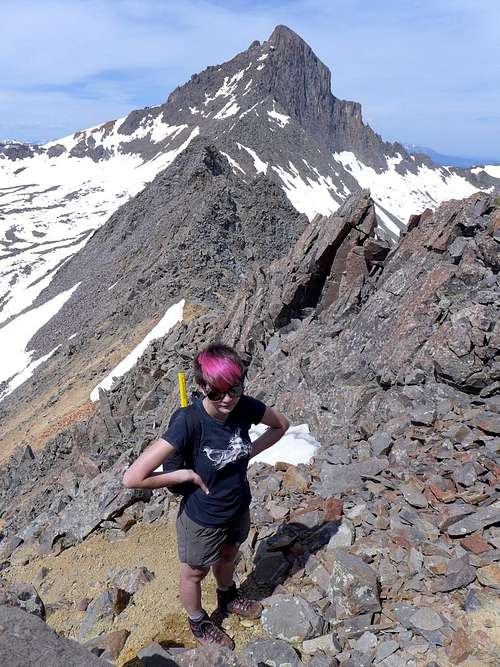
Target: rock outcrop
26,641
385,548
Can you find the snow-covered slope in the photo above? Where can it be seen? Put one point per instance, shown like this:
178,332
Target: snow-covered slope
51,201
490,170
314,145
398,193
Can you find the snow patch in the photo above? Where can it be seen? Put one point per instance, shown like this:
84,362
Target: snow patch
57,202
260,165
490,169
228,86
251,109
406,194
308,196
263,57
280,118
17,366
230,109
248,88
170,319
232,162
296,446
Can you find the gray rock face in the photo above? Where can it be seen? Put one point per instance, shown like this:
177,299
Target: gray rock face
291,619
104,608
353,358
353,586
102,498
24,596
26,641
272,651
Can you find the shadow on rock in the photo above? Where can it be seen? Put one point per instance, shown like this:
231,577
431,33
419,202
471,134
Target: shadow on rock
283,552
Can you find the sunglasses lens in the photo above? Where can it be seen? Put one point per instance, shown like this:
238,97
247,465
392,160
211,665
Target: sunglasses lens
234,392
214,395
237,390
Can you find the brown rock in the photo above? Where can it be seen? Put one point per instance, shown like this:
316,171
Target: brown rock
460,647
120,599
490,575
489,423
475,543
83,604
457,579
444,496
333,509
125,521
295,479
277,510
108,646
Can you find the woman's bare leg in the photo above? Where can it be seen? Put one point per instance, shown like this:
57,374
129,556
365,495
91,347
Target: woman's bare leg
190,588
224,568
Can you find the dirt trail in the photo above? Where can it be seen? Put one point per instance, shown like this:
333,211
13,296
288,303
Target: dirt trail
154,613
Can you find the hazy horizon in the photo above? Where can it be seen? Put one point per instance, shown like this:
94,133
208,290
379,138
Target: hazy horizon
69,66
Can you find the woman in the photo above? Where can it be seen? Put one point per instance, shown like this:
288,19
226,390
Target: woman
214,518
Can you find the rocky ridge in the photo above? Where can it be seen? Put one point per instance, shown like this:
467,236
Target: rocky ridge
117,275
193,233
315,146
384,550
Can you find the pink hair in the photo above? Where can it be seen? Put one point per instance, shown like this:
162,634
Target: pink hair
219,372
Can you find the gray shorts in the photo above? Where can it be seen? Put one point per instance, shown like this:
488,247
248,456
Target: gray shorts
200,546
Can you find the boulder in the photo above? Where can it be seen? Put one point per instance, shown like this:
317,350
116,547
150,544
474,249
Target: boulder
22,595
26,641
353,586
290,618
271,652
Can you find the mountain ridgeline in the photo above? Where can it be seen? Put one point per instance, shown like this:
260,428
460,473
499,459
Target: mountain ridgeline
359,282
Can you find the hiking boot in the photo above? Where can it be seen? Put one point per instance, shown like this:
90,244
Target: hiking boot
206,632
233,601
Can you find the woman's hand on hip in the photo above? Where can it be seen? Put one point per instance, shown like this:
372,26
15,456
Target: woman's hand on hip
196,479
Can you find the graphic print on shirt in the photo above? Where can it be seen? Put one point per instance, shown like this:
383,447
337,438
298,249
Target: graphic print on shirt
237,449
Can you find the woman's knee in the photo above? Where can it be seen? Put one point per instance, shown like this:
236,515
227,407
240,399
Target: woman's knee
194,574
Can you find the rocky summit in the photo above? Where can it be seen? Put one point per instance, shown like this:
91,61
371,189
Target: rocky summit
385,548
106,229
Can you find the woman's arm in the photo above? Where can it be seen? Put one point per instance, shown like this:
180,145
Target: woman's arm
278,425
142,475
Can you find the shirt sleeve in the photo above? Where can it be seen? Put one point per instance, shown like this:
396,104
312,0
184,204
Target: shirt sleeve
254,409
177,431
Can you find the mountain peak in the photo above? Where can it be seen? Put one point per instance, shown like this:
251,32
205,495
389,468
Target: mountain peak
298,80
283,34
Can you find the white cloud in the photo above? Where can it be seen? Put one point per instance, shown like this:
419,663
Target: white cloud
417,58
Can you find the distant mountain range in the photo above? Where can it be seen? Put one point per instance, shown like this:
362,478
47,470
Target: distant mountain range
450,160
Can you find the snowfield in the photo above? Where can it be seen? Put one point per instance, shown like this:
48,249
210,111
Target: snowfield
169,320
405,194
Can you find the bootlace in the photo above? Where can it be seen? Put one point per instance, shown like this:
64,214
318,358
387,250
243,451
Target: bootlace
211,631
242,601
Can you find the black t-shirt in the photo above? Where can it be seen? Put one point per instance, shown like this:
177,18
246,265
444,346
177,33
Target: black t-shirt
221,461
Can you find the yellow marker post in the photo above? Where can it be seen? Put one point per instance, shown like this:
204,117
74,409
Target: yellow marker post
181,377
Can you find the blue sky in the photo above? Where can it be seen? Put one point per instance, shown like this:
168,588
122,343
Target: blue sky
425,71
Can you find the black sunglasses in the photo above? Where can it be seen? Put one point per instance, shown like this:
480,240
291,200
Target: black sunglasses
234,391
